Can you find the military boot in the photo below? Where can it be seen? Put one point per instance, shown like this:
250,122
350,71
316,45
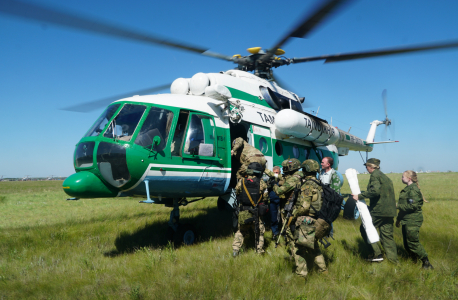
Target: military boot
235,253
426,264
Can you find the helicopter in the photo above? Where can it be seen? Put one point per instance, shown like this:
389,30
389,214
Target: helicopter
171,147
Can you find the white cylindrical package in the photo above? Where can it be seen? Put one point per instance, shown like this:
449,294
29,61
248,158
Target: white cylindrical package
366,220
352,178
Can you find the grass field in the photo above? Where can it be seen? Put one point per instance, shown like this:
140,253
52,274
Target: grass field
116,249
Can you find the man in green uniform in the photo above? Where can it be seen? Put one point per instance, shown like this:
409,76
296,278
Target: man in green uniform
380,191
247,155
250,192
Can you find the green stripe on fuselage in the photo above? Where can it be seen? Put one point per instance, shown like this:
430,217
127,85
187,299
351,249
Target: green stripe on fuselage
247,97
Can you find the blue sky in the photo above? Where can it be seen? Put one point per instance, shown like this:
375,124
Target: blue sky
44,67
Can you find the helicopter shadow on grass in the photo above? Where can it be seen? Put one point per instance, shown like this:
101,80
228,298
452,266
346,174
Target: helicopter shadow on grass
213,224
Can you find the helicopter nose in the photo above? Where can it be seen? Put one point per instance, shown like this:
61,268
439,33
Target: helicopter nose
87,185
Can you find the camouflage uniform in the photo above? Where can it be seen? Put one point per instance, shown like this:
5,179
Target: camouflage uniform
411,217
380,191
248,154
243,229
310,195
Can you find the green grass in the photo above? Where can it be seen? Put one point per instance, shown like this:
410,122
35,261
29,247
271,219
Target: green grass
116,249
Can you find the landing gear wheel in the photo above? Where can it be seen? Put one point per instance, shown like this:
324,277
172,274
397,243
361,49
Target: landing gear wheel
186,234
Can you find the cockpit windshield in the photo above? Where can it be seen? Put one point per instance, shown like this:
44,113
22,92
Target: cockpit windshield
124,124
102,121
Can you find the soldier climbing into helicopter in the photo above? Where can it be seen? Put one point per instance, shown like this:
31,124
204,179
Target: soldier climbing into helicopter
247,154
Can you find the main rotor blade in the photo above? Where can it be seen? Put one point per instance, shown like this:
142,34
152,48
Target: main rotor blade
308,23
93,105
385,103
44,14
374,53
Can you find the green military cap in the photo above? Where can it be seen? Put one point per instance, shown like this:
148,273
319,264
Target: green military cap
373,161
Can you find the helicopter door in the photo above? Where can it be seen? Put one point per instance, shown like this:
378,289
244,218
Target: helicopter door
261,140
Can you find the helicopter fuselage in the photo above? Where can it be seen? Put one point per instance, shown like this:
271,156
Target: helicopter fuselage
179,145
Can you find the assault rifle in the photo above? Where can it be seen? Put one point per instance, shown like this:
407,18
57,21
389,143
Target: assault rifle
289,213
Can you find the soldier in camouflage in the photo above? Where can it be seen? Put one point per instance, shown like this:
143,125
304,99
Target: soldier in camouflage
247,155
328,175
382,208
305,214
245,214
411,217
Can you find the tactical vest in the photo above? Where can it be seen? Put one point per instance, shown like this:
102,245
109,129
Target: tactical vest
252,186
317,197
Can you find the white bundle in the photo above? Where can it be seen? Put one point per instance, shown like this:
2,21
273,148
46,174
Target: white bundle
352,178
371,232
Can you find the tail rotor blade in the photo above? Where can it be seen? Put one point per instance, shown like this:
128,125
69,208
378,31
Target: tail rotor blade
385,103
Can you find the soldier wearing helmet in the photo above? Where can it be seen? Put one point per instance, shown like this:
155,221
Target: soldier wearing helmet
292,177
306,222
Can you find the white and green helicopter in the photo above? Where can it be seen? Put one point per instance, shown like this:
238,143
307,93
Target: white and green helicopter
171,147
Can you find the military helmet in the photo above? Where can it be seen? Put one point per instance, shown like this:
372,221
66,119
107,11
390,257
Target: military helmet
291,165
310,165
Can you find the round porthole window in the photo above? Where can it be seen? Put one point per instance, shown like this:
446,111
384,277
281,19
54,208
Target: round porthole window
263,145
278,148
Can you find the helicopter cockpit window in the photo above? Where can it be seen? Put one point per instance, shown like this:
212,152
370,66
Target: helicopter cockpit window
157,123
84,155
102,121
124,124
200,138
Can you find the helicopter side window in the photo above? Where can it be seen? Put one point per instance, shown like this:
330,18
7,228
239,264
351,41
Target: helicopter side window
200,138
102,121
124,124
157,124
